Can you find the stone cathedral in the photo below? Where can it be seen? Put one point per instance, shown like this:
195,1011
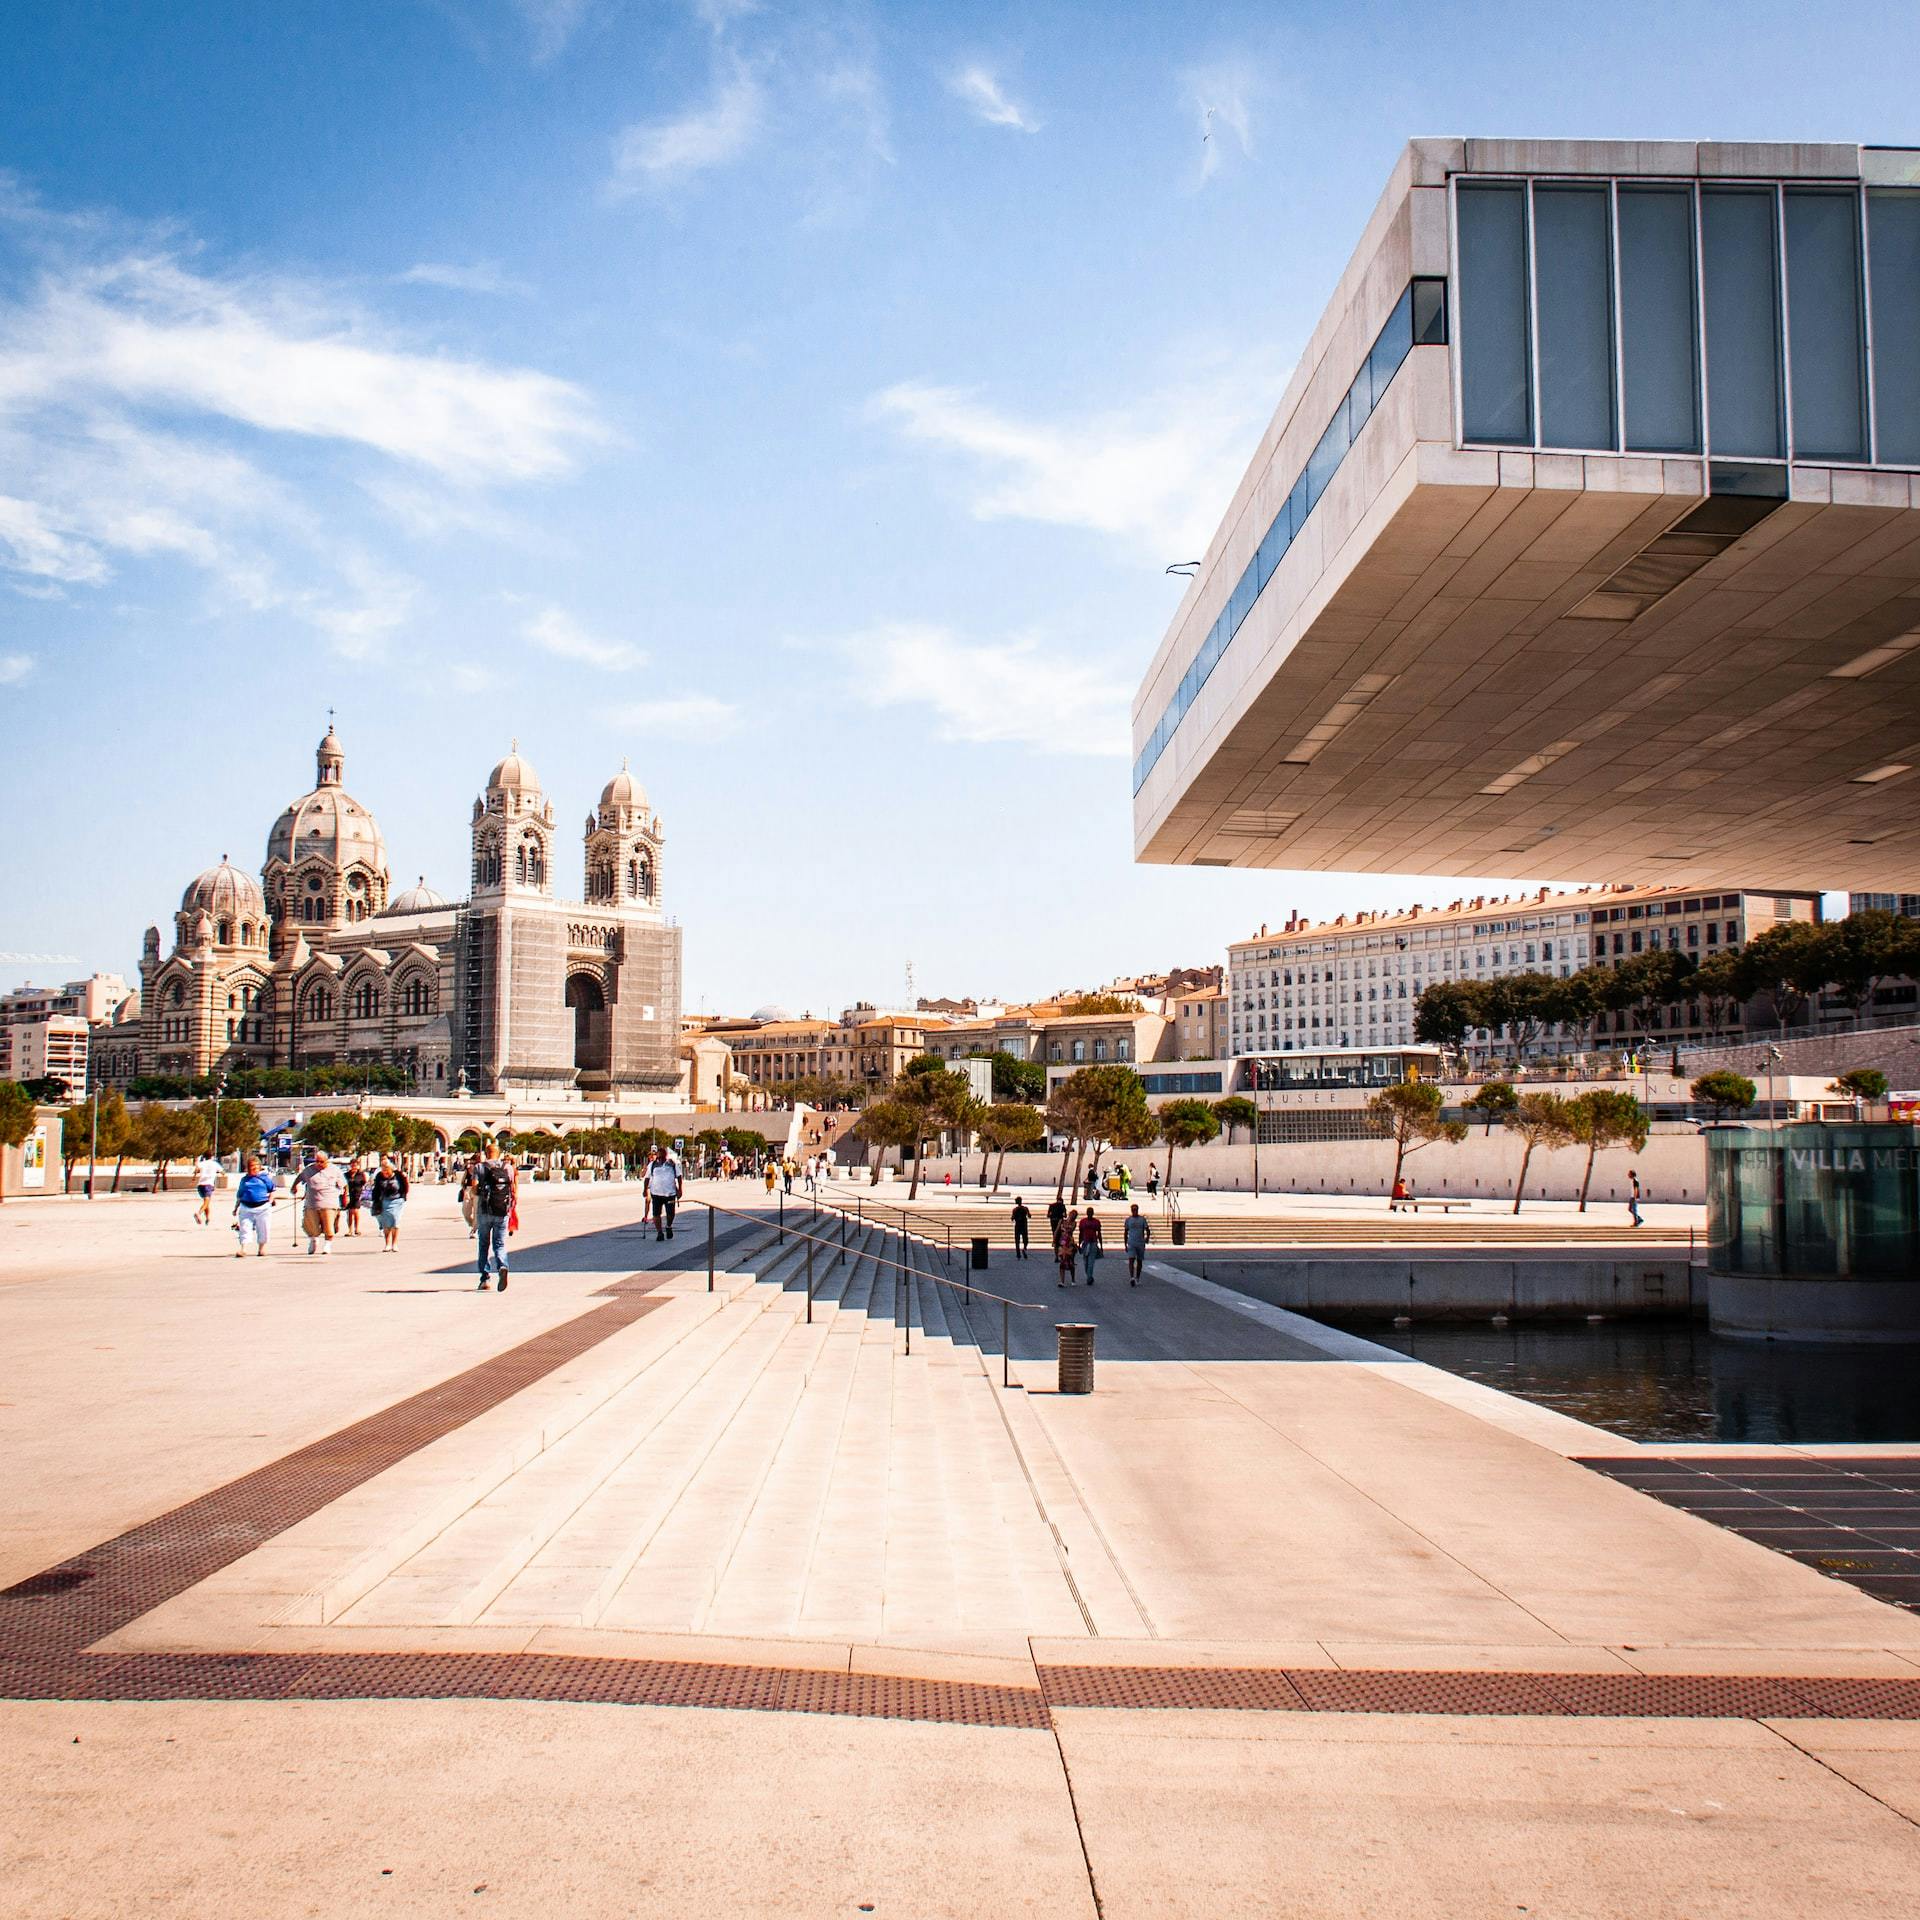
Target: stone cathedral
510,990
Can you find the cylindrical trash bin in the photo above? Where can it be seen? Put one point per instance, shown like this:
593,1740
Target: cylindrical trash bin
1076,1358
1179,1233
979,1260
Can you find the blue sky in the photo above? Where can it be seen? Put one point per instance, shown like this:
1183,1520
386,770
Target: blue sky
802,401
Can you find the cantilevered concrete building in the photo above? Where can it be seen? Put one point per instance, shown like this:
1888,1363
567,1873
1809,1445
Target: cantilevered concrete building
1585,542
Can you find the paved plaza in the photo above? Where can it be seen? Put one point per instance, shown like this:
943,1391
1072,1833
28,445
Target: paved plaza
333,1586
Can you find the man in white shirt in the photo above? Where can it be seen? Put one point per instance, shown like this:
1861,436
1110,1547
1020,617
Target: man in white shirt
663,1192
206,1176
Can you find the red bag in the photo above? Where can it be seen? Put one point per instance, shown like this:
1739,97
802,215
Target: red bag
513,1215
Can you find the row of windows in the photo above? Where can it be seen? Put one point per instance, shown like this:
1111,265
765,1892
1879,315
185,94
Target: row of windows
1181,1082
414,999
1076,1050
1419,318
1746,321
639,879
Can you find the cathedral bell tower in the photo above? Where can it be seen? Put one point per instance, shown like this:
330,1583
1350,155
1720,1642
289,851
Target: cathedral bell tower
623,841
513,832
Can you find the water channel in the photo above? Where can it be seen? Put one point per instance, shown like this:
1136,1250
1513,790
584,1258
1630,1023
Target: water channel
1666,1381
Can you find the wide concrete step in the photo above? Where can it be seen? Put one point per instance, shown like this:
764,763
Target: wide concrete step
454,1577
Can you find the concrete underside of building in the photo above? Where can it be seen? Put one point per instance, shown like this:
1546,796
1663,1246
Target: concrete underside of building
1470,659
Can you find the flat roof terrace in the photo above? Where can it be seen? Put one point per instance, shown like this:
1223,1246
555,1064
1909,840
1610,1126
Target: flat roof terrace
1585,541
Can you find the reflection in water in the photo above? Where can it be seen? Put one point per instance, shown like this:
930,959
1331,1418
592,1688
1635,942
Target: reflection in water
1665,1381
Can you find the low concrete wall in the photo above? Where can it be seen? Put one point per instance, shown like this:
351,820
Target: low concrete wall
1543,1286
1672,1166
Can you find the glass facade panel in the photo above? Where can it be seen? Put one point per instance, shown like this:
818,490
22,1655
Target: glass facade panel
1659,334
1743,322
1496,403
1575,268
1824,328
1893,256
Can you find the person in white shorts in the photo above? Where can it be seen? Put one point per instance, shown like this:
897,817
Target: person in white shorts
253,1204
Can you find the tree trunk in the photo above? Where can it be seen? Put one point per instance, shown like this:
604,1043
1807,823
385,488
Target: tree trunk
1520,1185
1170,1147
1586,1179
1000,1171
919,1146
1399,1158
986,1152
117,1165
1060,1185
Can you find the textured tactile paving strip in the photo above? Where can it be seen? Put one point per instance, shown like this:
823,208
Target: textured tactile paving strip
1853,1519
48,1620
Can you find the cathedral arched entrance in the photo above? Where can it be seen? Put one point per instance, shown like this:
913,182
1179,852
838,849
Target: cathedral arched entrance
592,1032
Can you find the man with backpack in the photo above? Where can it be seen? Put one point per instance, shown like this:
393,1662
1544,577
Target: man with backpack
492,1182
663,1192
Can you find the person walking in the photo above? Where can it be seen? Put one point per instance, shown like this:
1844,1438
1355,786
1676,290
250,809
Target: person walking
326,1187
1064,1245
772,1177
1022,1220
1056,1212
786,1174
663,1192
1092,1244
356,1192
253,1203
388,1190
206,1176
493,1206
1153,1178
1136,1233
1634,1195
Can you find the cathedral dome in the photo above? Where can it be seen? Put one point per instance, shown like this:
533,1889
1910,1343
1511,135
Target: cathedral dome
225,893
514,773
623,790
328,822
416,899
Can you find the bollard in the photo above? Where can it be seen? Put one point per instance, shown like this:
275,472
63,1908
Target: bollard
809,1279
979,1260
1076,1357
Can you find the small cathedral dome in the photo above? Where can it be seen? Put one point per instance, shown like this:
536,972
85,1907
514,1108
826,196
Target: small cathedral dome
513,773
420,898
225,893
766,1014
623,790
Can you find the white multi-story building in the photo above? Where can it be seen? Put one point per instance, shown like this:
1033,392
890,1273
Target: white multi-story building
1356,981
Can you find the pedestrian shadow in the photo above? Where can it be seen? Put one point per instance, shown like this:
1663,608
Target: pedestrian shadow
615,1249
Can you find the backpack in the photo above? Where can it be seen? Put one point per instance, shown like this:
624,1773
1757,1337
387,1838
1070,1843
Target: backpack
493,1187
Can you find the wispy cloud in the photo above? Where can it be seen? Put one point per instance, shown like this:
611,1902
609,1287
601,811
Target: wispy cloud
552,24
719,15
686,716
979,90
481,276
33,547
1156,472
468,676
14,667
273,355
559,634
1220,98
156,409
659,153
1008,692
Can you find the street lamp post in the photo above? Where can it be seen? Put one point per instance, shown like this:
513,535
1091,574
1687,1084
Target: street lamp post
93,1139
1774,1057
219,1094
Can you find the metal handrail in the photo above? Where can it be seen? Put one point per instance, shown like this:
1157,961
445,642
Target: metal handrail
900,1268
942,1239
